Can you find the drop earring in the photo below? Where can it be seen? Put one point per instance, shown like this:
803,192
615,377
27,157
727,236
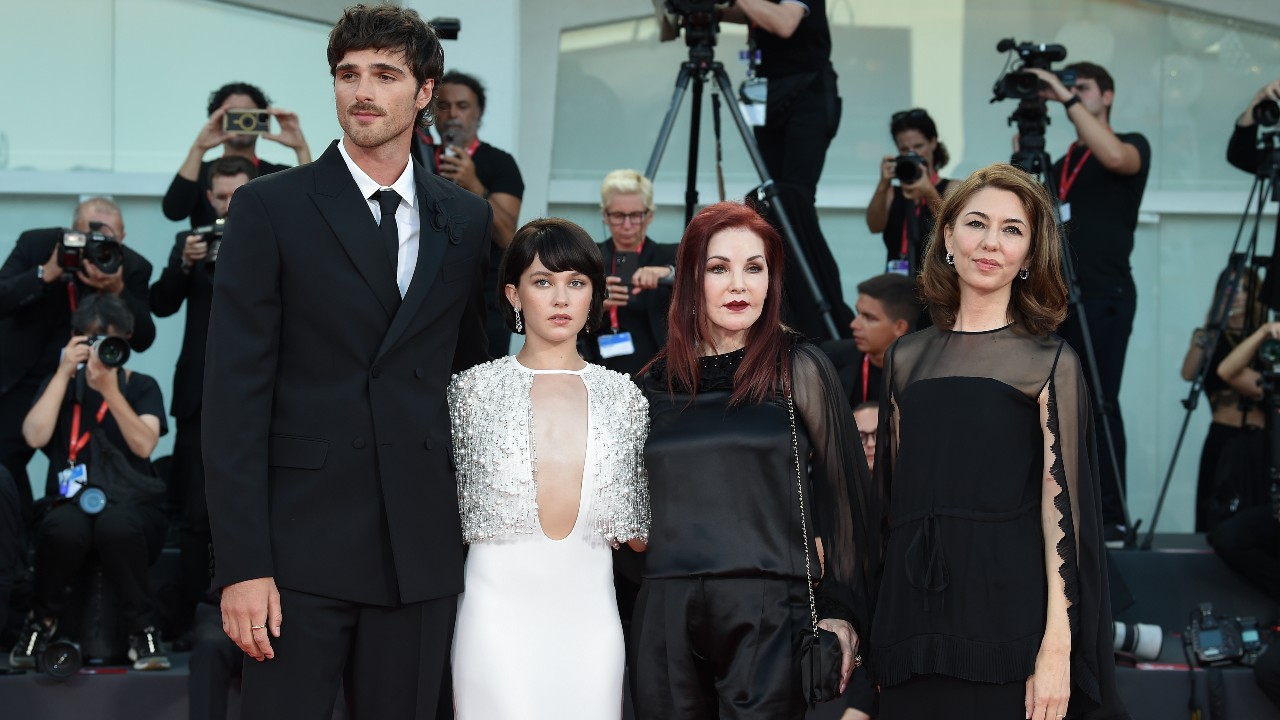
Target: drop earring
951,259
1023,273
519,322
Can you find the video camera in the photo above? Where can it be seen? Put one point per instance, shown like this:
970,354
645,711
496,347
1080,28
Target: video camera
98,248
697,17
1021,85
211,235
1219,640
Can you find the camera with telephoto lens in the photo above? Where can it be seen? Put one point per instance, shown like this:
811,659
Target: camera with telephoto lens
59,659
211,236
102,250
1019,84
909,168
111,351
697,17
1219,640
1141,640
1267,113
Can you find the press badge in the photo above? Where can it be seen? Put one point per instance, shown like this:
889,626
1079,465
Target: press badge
753,98
616,345
898,267
72,480
1064,210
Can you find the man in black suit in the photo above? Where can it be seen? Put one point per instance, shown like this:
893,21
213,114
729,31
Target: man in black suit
37,297
337,320
189,277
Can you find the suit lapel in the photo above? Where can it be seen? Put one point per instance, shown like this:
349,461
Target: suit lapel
436,224
339,201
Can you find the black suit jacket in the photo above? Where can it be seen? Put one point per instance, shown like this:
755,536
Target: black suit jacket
167,296
325,425
35,316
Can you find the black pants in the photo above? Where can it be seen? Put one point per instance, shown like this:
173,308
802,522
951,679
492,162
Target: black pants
10,540
1110,325
717,648
396,661
215,661
14,452
126,540
1233,474
1249,542
802,118
187,470
941,696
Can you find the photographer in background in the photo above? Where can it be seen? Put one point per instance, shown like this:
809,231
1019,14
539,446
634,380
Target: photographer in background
1100,183
790,45
1246,153
187,195
98,424
37,297
904,213
887,310
189,277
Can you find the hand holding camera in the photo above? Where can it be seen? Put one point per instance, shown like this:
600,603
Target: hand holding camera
212,134
112,283
1264,109
1051,85
290,134
616,292
194,249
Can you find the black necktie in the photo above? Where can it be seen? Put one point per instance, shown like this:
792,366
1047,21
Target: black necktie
389,200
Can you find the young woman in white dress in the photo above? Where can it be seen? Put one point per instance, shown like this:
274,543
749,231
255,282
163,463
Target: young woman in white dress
548,450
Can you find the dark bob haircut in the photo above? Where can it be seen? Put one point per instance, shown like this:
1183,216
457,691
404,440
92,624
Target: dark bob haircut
395,29
219,96
560,245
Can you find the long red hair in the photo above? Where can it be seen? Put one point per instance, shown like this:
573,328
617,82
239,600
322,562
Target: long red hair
766,362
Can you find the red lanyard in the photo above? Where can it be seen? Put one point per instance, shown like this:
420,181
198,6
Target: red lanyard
1064,186
866,375
933,178
471,151
71,295
613,270
78,441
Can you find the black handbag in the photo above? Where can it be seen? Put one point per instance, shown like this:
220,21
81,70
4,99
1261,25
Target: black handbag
819,653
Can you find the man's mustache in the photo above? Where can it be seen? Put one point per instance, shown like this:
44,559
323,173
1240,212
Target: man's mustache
365,108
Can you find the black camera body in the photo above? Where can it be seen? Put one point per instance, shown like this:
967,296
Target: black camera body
1021,85
698,18
111,351
102,250
211,235
909,167
1218,640
1267,113
446,28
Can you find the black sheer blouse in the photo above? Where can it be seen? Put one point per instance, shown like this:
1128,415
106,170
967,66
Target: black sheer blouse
722,483
966,451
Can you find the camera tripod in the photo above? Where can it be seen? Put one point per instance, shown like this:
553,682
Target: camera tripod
701,65
1238,264
1031,118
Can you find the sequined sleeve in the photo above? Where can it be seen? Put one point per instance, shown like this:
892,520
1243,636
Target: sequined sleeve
623,499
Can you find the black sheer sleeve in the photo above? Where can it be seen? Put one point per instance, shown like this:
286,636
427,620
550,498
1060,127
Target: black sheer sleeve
844,506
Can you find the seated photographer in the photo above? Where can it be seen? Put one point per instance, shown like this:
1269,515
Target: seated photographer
187,194
904,213
98,424
40,284
189,277
1234,446
640,271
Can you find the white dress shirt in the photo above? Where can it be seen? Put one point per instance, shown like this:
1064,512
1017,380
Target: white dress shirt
408,219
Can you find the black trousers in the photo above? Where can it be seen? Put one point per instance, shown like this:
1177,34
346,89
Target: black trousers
14,453
187,470
126,540
717,648
10,541
1110,325
1249,542
394,660
215,661
941,696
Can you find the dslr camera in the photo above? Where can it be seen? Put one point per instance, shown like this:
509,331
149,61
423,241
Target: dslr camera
111,351
211,236
1267,113
1218,640
909,168
1017,84
246,121
102,250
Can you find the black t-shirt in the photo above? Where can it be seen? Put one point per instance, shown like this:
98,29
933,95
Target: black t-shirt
143,395
897,222
497,171
855,372
185,198
807,50
1104,216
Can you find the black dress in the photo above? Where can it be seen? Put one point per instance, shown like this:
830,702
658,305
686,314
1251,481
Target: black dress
962,455
722,600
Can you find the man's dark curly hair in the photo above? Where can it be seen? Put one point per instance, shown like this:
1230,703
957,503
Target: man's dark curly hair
387,27
219,96
453,77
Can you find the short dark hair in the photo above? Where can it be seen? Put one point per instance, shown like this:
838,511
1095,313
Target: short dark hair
867,405
104,310
897,293
1094,72
453,77
918,119
387,27
560,245
219,96
230,166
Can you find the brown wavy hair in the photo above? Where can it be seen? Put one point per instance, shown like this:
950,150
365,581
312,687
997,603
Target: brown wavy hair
395,29
764,367
1040,301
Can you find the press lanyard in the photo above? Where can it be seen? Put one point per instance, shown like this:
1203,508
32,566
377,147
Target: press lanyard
613,270
933,178
78,441
471,151
1064,186
866,375
71,295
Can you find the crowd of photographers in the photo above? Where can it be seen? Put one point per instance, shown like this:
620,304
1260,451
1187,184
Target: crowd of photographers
74,304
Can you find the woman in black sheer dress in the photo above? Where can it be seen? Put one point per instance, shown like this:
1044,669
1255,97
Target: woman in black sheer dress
723,599
993,598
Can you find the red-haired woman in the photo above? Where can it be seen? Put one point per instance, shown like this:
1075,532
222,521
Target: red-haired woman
993,600
723,601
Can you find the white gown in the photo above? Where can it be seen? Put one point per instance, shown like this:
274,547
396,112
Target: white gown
538,635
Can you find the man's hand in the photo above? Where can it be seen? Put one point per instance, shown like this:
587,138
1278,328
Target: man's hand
249,609
848,647
90,275
75,353
921,189
290,134
1270,91
646,278
52,269
887,168
615,293
211,133
100,377
1055,90
194,249
460,169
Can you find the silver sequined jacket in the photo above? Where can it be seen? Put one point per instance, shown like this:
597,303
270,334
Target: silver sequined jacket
493,452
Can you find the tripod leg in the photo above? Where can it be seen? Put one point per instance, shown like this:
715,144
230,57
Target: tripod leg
668,122
770,189
695,133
